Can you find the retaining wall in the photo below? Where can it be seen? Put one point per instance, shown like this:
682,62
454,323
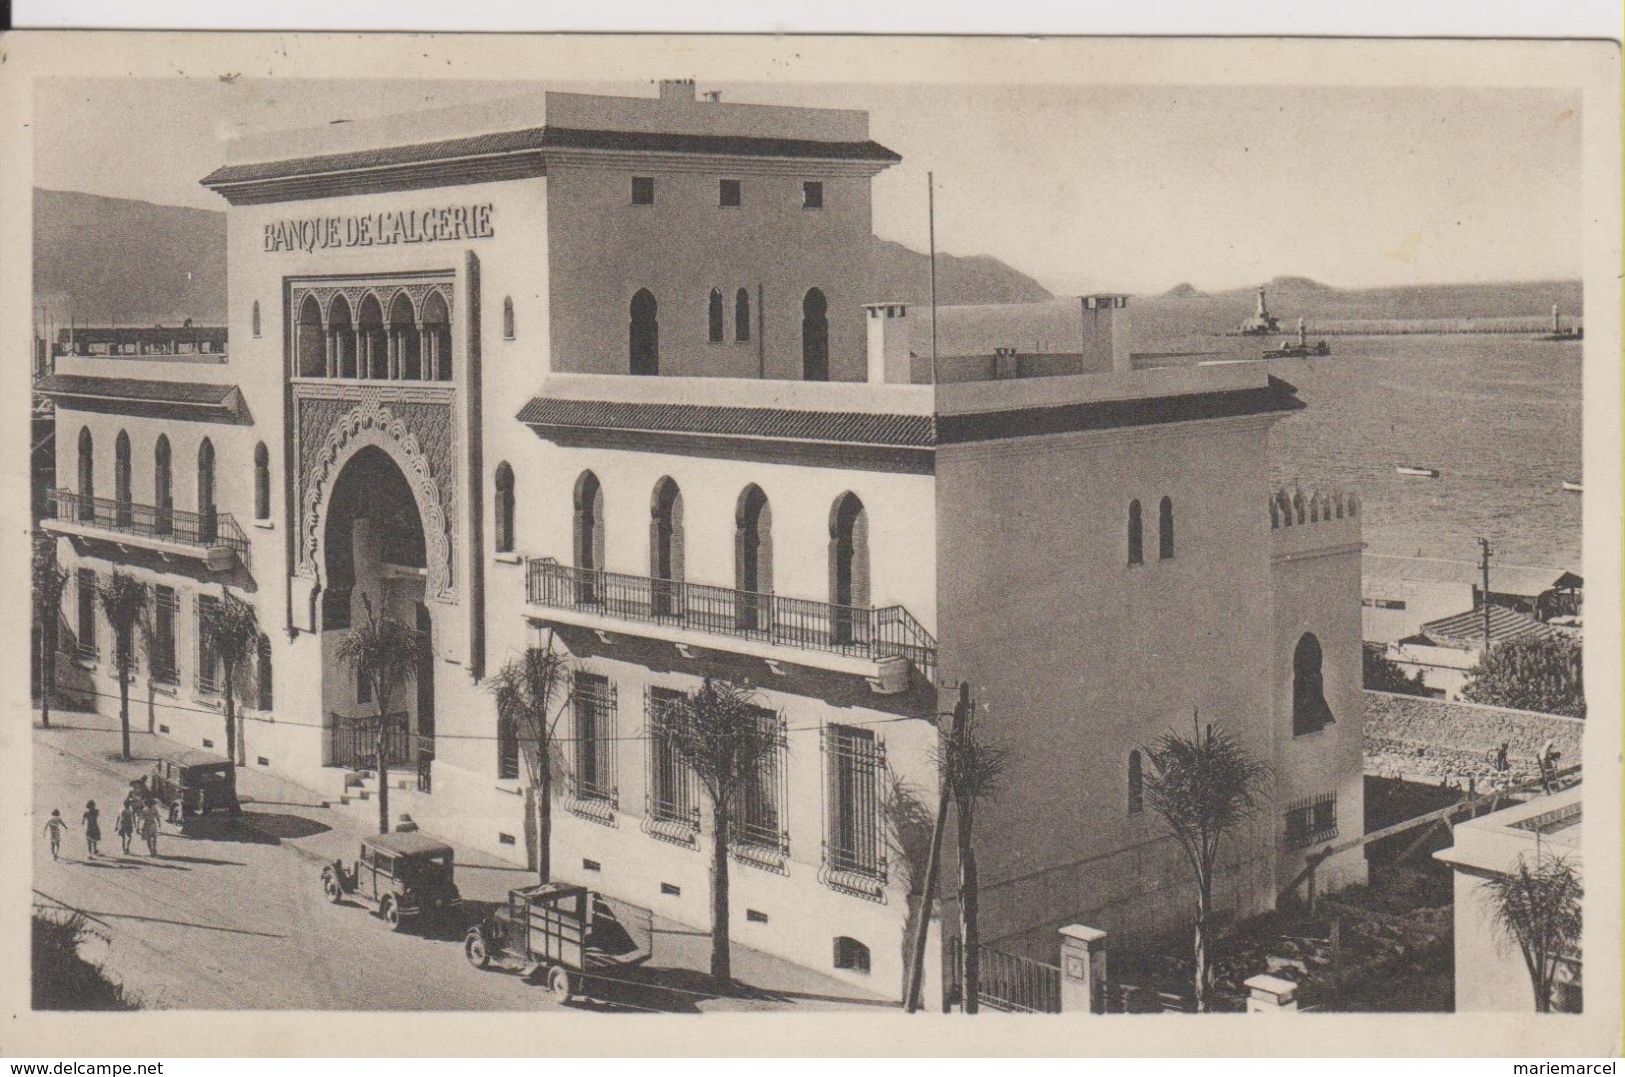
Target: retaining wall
1414,736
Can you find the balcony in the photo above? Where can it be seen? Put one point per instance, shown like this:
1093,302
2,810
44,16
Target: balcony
213,538
845,638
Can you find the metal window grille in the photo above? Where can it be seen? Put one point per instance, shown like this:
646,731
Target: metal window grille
855,760
86,586
208,660
163,643
763,811
673,808
593,704
1311,820
507,749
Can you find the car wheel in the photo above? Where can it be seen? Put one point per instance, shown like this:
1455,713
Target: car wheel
559,983
474,948
391,914
331,887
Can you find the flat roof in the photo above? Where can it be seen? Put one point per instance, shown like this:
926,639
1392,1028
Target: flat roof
410,843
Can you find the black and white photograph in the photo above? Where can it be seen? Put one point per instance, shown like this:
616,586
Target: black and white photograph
1074,534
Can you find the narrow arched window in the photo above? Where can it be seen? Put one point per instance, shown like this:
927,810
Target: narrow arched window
163,488
343,344
372,339
87,476
814,337
1165,529
255,320
589,537
405,342
1136,784
713,316
507,317
1136,535
262,482
849,570
742,315
435,336
643,334
123,510
310,348
753,560
1310,711
207,522
504,508
666,548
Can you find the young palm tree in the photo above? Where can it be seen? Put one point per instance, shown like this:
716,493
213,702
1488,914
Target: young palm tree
970,766
1538,909
233,632
1203,786
384,653
50,581
124,602
724,737
532,692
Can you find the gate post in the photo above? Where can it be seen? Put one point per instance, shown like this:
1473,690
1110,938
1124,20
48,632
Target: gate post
1083,969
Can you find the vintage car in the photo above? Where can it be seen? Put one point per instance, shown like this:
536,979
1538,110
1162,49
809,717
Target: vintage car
407,878
563,930
193,783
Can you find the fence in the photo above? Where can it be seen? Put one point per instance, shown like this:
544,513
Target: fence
1007,982
355,745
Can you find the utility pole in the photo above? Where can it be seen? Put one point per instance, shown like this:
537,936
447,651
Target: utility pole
1484,565
931,213
922,922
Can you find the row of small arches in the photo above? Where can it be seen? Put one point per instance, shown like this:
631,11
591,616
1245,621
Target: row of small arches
1136,531
412,344
1287,510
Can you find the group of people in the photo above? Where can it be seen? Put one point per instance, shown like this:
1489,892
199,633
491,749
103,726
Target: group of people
139,815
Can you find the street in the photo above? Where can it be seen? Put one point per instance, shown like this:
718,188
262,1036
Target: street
237,920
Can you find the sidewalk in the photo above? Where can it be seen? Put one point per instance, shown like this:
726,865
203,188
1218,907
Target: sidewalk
279,812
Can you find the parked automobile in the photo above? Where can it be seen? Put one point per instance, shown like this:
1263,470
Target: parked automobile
194,783
406,878
560,929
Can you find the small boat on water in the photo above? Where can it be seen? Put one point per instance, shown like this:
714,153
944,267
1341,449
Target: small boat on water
1572,487
1417,471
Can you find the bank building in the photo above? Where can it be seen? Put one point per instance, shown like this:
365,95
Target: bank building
614,371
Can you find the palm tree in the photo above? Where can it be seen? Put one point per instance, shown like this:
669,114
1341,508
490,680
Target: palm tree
724,738
1203,786
384,653
124,602
233,632
1538,909
50,581
970,766
526,691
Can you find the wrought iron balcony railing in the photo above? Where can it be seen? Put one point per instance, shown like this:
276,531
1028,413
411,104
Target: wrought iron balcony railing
206,530
858,631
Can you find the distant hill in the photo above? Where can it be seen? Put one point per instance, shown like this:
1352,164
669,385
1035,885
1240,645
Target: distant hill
905,275
1184,291
100,260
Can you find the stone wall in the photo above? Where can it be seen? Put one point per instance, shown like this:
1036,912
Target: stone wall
1416,737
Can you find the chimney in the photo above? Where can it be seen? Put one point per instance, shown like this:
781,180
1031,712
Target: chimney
713,96
1105,332
676,89
1006,364
888,329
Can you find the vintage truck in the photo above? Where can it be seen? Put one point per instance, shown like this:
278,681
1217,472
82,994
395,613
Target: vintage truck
567,931
406,877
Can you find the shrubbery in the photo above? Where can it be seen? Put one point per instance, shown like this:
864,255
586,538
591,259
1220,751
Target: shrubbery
1531,673
64,980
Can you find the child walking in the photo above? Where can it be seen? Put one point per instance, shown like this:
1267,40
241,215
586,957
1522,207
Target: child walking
54,826
149,827
93,827
125,827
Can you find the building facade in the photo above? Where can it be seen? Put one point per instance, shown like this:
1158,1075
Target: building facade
608,375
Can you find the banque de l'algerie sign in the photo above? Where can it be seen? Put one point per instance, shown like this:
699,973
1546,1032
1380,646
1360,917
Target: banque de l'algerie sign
382,229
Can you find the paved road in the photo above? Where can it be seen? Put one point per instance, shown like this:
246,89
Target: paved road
238,920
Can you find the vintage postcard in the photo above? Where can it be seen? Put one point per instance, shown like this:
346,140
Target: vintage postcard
892,546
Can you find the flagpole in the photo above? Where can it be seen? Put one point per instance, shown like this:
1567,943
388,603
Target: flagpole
931,213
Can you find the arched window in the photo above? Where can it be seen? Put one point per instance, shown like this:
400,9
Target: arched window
1136,534
814,337
123,510
1165,529
262,482
504,508
343,344
507,317
87,476
666,548
255,326
713,316
1310,712
207,524
850,954
163,488
753,560
262,674
436,334
589,537
643,334
405,342
1136,784
742,315
310,349
372,341
849,568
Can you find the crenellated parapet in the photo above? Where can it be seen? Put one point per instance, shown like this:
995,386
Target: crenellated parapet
1313,524
1296,508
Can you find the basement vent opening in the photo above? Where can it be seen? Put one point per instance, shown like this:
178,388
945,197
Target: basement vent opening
755,917
207,743
264,762
591,865
163,729
669,889
505,839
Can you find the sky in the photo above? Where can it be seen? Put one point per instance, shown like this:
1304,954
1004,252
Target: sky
1125,188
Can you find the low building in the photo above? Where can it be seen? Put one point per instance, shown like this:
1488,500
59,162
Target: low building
1446,651
1400,594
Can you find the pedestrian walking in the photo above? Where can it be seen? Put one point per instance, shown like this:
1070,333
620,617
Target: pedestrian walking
54,826
149,827
92,820
125,827
1501,756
